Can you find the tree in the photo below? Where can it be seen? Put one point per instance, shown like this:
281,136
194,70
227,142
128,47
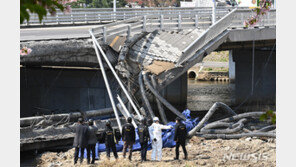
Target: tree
264,7
42,7
121,3
101,4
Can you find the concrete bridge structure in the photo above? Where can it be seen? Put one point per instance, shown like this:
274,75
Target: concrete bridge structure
165,45
62,73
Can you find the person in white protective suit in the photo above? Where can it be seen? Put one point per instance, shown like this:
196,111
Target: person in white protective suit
155,135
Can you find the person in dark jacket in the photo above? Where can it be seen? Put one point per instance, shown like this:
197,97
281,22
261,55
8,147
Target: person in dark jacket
80,140
180,137
128,137
144,137
92,141
109,139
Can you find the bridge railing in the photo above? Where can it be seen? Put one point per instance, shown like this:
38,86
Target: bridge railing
179,21
235,19
84,16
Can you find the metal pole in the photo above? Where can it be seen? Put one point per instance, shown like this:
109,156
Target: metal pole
104,35
116,76
126,111
128,32
159,106
161,22
144,97
161,99
144,23
214,12
253,67
129,106
196,20
114,5
107,86
179,21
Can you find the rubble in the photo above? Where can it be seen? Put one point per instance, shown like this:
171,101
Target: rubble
214,152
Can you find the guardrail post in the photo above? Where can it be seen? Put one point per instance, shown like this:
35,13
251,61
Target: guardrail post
242,20
268,22
196,20
57,18
85,18
99,17
113,16
128,32
104,35
161,22
144,23
214,12
124,16
72,19
179,21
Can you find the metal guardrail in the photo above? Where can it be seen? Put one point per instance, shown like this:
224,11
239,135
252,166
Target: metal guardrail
235,19
207,36
96,15
183,20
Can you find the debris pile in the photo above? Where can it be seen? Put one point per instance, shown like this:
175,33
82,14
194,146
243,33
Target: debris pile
251,151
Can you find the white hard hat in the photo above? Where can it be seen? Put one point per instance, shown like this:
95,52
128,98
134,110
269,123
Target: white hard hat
155,119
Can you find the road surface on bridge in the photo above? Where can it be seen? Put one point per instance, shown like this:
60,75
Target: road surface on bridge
27,34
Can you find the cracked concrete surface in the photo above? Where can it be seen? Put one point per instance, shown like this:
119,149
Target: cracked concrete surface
73,52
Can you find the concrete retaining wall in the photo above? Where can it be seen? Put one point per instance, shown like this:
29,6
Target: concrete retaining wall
207,75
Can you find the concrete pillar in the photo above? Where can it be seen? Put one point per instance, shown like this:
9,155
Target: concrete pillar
264,76
231,67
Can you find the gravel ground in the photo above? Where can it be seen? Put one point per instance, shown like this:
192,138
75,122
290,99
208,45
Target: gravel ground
229,153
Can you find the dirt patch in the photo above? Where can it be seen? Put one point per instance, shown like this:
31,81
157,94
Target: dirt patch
222,56
158,67
233,153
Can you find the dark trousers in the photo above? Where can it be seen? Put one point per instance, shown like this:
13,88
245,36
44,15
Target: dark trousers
182,143
76,154
144,147
129,145
108,149
91,148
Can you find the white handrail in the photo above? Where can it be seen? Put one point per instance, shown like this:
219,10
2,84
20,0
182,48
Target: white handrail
91,15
